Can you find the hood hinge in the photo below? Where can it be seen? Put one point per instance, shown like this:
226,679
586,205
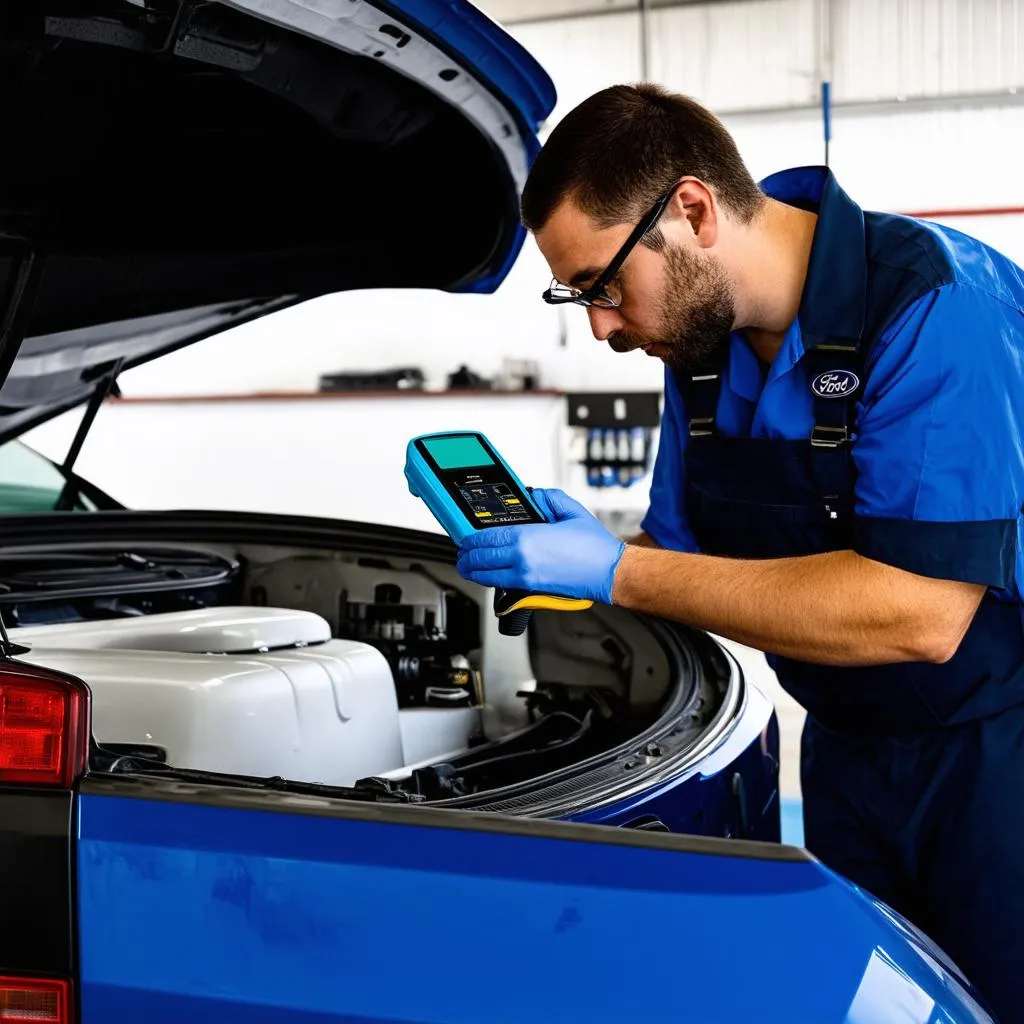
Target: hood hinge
10,650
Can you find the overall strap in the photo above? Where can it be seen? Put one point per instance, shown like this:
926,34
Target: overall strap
837,370
700,389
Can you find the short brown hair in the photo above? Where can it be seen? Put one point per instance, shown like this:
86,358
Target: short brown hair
621,148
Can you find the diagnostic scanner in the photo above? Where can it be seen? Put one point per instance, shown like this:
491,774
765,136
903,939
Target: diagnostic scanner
468,486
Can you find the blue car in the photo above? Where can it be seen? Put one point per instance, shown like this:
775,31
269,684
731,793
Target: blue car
274,769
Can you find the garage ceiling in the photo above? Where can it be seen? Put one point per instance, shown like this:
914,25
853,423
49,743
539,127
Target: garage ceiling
872,51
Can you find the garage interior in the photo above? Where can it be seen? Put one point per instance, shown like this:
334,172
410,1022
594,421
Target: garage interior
916,106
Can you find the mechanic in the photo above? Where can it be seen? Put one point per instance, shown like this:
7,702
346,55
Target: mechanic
839,482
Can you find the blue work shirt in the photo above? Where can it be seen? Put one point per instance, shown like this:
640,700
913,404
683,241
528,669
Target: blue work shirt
937,436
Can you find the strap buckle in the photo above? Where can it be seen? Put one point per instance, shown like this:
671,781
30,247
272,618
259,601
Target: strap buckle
829,437
832,346
702,421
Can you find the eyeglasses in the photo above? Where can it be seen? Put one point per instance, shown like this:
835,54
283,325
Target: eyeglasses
597,293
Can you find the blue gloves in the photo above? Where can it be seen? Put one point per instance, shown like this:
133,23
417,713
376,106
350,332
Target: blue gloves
572,555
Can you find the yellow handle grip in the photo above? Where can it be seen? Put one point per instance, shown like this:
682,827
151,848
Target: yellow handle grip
535,602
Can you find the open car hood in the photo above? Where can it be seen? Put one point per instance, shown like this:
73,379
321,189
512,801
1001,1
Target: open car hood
171,168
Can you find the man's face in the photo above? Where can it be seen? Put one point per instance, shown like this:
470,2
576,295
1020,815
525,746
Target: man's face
675,304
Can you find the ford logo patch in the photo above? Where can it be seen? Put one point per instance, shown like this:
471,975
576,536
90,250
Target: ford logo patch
835,384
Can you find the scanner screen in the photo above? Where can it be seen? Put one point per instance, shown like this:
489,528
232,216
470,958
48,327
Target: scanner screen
458,452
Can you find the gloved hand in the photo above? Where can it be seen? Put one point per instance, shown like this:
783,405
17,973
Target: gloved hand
572,555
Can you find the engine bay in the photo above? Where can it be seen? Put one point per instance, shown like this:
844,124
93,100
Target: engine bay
423,630
327,667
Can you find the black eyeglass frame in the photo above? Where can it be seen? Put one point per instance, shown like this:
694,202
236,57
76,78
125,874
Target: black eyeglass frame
595,295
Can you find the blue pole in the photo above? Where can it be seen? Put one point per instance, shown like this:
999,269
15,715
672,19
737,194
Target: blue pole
826,114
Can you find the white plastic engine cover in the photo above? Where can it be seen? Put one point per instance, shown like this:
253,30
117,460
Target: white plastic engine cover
203,631
325,713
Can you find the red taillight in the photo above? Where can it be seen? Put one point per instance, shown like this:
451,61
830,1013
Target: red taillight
35,999
44,729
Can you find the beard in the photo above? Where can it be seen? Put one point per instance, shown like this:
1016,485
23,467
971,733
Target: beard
695,315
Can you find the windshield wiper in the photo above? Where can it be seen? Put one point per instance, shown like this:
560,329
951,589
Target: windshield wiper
114,763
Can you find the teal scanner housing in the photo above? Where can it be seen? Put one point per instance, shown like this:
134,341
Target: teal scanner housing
467,485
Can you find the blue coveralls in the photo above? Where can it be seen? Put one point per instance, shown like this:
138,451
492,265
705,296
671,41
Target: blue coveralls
912,774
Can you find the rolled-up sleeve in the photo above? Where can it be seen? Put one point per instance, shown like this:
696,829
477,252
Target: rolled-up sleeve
938,447
666,520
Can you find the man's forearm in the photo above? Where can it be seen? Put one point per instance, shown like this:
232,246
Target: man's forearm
834,609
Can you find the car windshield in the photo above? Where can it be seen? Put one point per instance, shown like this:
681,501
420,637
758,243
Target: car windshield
31,483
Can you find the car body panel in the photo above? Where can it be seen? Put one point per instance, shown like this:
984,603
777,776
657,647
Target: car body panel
236,913
732,792
501,61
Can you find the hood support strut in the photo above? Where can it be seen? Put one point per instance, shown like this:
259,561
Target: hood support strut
105,386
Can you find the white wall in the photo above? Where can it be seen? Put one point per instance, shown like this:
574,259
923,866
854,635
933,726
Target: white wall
334,457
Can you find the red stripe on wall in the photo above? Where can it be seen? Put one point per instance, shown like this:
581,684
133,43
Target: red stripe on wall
983,211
